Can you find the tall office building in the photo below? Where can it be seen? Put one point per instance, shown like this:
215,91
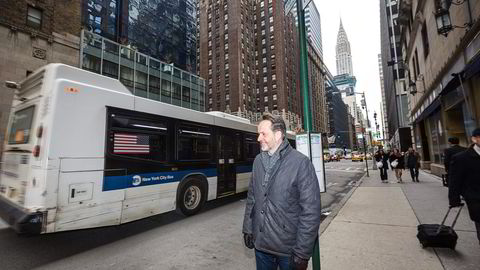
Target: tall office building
247,59
313,26
162,29
316,79
394,81
227,55
383,103
343,53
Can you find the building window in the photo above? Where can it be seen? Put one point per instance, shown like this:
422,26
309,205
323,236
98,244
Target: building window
426,45
265,88
34,17
265,99
226,17
271,19
271,28
227,97
264,69
275,97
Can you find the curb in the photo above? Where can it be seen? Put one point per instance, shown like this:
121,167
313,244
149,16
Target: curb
326,222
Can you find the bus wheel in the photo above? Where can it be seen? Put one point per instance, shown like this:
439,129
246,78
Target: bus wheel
191,197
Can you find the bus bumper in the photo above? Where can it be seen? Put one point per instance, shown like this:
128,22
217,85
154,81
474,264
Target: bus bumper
22,222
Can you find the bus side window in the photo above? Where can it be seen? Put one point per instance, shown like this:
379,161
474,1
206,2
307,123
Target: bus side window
252,148
138,138
239,146
193,142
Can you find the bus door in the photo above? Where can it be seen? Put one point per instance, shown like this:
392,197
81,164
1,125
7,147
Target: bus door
226,171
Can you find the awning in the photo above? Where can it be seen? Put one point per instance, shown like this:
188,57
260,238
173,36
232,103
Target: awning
472,68
452,84
429,110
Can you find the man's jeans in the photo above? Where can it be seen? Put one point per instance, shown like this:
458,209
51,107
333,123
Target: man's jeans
266,261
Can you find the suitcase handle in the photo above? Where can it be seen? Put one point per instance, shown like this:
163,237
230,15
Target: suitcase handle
445,218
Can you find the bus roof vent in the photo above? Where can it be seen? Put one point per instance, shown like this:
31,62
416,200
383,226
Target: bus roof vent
32,82
229,116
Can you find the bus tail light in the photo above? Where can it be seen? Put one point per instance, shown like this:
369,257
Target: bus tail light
36,151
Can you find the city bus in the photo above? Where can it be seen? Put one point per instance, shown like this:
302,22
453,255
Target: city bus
81,151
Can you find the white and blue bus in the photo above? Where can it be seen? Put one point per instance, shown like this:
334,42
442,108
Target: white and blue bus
81,151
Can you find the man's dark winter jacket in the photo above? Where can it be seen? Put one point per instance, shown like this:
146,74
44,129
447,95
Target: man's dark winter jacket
449,153
284,215
465,180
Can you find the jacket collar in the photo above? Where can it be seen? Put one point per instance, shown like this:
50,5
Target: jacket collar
472,153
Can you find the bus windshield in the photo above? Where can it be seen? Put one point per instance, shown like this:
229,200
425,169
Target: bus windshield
21,125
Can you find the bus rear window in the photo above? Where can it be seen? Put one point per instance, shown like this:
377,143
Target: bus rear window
20,129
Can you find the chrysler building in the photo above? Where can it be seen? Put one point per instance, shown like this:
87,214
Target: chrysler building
344,54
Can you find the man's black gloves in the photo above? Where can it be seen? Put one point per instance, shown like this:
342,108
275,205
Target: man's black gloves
456,204
248,238
298,263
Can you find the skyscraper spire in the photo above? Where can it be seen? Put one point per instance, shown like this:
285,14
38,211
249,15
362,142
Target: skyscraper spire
344,54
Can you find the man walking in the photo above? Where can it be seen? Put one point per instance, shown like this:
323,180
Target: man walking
413,163
450,152
283,208
465,180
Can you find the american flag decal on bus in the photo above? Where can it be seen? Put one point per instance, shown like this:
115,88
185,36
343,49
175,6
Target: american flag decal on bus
130,144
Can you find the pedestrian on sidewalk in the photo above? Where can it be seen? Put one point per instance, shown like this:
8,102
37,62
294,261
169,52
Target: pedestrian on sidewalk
283,209
465,180
382,159
413,163
450,152
397,161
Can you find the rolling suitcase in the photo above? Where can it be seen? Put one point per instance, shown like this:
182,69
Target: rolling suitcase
438,235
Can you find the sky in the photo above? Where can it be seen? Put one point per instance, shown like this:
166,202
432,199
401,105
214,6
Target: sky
361,21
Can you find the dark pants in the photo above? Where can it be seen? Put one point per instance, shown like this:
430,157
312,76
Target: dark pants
383,173
266,261
414,173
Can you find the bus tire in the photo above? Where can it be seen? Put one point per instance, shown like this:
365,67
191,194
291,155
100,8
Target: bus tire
192,196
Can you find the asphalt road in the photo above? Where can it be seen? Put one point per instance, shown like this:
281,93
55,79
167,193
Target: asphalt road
210,240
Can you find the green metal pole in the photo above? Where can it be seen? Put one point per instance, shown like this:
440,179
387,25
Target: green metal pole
307,116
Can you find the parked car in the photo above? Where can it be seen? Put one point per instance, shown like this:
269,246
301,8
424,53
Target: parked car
348,156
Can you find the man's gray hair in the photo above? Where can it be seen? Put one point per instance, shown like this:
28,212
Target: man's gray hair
278,124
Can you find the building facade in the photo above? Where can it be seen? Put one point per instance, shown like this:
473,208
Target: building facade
338,118
162,29
115,38
316,78
313,25
383,107
343,53
444,73
31,36
394,81
247,59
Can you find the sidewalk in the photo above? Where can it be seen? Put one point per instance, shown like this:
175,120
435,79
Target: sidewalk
377,228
